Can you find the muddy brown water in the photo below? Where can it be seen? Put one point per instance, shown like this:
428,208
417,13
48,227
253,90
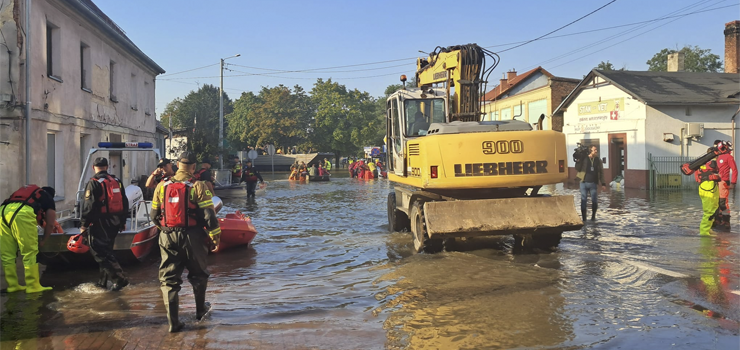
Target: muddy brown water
324,273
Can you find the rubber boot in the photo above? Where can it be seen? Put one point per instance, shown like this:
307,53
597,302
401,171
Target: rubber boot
202,307
33,279
103,279
583,215
172,304
594,206
11,276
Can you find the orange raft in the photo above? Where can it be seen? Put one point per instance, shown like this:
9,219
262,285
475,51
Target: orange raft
236,230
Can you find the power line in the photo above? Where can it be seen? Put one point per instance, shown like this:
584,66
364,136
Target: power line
276,71
189,70
540,37
612,37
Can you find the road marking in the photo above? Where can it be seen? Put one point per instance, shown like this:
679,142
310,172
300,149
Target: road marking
657,269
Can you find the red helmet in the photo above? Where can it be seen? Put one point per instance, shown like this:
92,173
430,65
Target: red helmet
76,244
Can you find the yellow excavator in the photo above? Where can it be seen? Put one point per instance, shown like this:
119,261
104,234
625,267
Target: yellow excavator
456,176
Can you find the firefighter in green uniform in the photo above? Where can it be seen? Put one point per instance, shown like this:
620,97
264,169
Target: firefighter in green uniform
182,207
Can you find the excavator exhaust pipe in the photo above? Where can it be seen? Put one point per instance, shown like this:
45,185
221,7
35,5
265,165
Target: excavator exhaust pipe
504,216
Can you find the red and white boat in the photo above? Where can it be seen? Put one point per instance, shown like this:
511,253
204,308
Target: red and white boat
134,243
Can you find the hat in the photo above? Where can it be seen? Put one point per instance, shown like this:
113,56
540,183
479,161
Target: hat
49,190
187,158
100,161
205,161
163,162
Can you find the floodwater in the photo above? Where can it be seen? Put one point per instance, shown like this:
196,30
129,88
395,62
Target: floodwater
324,273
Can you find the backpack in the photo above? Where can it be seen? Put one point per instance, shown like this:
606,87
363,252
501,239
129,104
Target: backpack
178,210
28,195
199,173
112,199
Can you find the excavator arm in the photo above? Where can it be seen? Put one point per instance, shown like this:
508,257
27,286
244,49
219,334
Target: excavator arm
463,68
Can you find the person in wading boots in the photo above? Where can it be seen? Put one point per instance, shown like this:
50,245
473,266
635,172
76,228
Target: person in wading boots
708,176
103,214
250,175
590,172
181,208
26,207
728,173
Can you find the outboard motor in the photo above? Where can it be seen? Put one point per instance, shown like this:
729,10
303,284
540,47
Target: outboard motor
217,204
134,195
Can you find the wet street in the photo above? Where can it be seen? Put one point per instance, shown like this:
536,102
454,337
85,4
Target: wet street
324,273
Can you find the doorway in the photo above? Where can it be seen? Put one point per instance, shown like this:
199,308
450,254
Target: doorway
617,156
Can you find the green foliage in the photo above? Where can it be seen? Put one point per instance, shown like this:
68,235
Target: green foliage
345,120
608,66
197,113
695,60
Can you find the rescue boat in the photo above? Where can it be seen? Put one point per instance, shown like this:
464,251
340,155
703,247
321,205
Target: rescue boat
236,228
134,243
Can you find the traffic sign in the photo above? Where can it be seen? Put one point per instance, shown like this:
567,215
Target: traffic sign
270,150
252,154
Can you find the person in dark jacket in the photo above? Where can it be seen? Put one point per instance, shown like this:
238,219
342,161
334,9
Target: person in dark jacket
250,175
102,217
590,173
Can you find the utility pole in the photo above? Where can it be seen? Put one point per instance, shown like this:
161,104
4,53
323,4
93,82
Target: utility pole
27,42
221,114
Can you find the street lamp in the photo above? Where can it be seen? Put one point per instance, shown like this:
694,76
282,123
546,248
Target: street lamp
221,114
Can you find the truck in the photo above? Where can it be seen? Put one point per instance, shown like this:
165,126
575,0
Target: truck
457,176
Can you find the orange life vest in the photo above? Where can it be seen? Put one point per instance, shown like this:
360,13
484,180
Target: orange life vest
28,195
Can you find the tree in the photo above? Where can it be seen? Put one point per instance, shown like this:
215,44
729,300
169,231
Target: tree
277,115
608,66
239,128
695,60
198,114
344,119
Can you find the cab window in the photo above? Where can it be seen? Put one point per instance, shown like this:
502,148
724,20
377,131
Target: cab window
422,113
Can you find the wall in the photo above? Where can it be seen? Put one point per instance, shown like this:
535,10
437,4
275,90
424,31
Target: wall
68,111
670,119
598,125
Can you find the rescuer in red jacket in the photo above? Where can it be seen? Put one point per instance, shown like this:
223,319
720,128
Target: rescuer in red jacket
728,173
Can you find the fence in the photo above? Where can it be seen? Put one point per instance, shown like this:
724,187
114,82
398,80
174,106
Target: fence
665,174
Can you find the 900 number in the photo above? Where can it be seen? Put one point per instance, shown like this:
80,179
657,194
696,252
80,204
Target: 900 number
503,147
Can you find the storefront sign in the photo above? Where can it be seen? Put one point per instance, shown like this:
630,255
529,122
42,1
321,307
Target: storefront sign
600,110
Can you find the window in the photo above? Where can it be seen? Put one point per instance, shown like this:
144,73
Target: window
534,110
51,160
421,113
517,111
688,111
53,64
85,73
147,95
112,81
54,169
494,115
132,93
506,114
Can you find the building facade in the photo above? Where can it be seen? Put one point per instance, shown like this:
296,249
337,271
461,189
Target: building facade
531,97
89,83
633,116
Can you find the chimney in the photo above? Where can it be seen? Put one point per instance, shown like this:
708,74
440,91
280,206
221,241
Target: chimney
503,83
732,46
676,62
511,75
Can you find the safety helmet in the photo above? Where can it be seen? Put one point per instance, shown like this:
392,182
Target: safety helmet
76,244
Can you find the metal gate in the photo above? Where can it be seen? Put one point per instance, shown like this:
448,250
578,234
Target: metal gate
665,174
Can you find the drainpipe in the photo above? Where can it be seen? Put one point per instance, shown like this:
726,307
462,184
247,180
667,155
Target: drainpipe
733,131
682,129
28,91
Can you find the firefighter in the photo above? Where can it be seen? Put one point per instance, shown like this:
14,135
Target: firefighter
26,207
163,172
728,173
708,176
327,165
250,175
204,174
103,214
181,208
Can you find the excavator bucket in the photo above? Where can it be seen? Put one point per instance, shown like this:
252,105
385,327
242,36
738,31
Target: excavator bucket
505,216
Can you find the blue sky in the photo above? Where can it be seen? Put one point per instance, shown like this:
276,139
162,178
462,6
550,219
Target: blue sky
308,35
